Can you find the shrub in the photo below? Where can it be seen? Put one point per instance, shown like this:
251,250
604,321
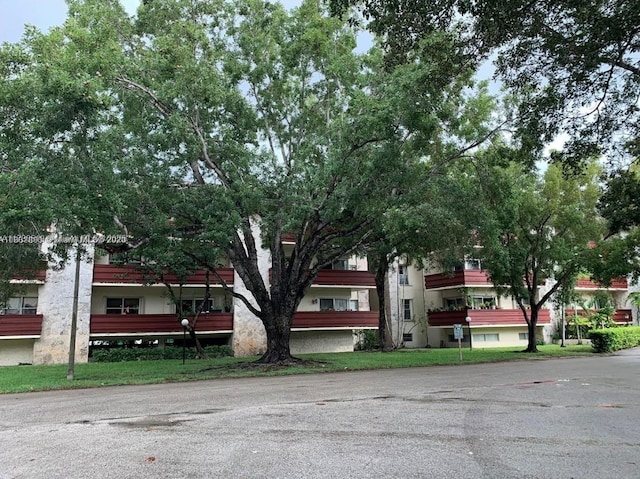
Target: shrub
115,355
614,339
367,340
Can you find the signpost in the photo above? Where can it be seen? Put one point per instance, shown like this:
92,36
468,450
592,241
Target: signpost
458,334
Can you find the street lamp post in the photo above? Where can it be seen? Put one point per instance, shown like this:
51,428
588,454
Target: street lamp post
468,320
185,323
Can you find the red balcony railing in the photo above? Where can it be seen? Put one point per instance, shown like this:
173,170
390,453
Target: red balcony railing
131,274
20,324
467,277
620,316
39,275
335,319
343,277
156,323
327,277
485,317
616,283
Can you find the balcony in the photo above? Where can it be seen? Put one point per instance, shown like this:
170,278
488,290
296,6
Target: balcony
131,274
113,324
616,283
335,319
20,324
343,278
620,316
485,317
337,277
35,277
467,277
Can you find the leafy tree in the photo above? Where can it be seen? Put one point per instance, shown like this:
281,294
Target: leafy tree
634,299
426,217
575,62
535,228
23,205
216,128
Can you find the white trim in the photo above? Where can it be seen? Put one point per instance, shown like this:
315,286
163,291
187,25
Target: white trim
26,336
144,335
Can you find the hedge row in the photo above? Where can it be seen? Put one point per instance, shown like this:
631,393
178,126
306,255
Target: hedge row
115,355
614,339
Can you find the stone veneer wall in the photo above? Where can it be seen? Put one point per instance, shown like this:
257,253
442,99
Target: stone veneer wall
55,302
249,335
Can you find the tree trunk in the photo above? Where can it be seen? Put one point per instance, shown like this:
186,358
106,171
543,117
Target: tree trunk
385,337
278,336
532,347
200,352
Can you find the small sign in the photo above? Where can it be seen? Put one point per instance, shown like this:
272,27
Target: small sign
457,331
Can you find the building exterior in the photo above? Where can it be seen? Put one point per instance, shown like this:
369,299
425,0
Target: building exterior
118,303
426,304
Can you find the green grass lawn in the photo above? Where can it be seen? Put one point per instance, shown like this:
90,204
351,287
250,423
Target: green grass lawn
41,378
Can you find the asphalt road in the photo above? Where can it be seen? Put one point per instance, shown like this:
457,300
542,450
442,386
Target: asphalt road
562,418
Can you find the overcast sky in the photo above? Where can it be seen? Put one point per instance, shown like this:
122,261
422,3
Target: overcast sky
44,14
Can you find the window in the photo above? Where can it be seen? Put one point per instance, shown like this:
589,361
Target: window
403,275
407,337
338,264
472,264
123,305
483,302
338,304
20,305
191,306
454,304
407,309
523,336
485,338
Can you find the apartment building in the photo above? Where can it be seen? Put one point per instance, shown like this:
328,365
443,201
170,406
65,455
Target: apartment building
426,304
118,302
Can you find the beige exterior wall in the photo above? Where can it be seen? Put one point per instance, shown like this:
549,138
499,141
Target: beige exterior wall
408,287
16,351
321,341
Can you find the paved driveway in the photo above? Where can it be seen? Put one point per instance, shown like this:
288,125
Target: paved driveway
562,418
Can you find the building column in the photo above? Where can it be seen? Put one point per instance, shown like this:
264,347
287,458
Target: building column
249,335
55,303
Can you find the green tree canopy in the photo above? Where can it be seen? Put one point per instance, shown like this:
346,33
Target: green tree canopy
535,228
205,131
576,62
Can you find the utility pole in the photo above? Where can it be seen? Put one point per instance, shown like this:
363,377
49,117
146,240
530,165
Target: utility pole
74,318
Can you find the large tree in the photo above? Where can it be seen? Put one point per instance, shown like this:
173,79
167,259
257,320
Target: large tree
217,128
425,213
535,229
576,62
